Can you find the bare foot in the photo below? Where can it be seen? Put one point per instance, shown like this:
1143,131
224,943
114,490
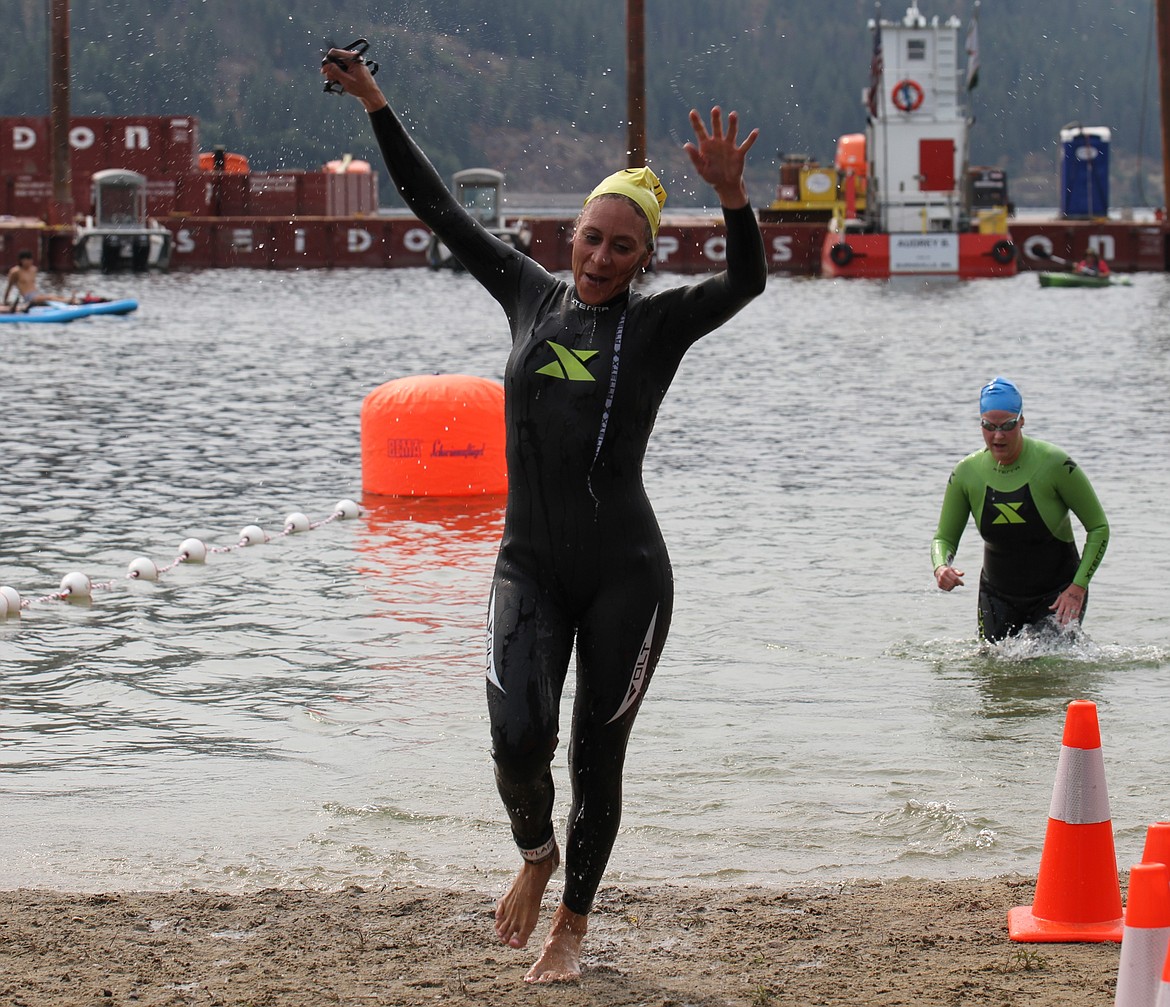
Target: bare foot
519,909
560,958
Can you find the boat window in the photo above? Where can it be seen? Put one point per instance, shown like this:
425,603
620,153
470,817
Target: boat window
916,49
480,200
119,206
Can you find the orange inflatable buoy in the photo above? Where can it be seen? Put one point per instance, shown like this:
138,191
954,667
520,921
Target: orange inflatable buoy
439,435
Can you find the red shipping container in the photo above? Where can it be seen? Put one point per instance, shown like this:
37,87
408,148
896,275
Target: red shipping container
29,196
149,144
15,239
24,148
351,194
153,145
192,193
311,198
272,194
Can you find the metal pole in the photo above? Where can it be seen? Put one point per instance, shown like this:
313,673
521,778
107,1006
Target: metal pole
1163,29
636,83
61,174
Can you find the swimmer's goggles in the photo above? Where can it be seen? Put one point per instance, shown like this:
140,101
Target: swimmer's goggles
358,47
1005,427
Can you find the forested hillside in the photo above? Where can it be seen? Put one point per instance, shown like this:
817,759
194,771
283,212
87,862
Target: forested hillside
538,89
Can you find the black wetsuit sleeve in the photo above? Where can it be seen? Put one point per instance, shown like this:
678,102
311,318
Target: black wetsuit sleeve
702,307
747,265
493,262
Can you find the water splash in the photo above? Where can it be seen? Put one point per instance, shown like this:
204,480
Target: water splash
934,828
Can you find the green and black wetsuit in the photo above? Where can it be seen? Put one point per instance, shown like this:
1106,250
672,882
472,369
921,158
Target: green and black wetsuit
1022,512
582,559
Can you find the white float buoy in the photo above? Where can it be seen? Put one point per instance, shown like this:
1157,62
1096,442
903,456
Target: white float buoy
346,509
12,596
191,550
297,522
3,607
76,585
253,535
142,568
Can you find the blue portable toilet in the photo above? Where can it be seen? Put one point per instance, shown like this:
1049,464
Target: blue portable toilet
1084,171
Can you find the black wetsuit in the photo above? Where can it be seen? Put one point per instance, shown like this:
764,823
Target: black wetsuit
582,559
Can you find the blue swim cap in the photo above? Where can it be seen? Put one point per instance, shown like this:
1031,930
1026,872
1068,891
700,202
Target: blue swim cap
999,393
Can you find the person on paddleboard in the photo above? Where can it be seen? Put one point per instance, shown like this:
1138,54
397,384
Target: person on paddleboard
22,278
582,564
1020,492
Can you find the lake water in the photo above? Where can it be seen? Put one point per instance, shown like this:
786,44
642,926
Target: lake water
311,711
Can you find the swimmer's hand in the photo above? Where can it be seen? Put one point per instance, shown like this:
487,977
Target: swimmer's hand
719,158
347,69
1069,604
948,578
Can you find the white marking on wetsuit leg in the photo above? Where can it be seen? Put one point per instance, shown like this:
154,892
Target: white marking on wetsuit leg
492,675
638,678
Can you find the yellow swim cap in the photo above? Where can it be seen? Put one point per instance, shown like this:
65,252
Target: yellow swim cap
642,186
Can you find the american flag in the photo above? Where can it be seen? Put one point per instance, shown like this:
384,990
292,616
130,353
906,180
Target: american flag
876,65
973,49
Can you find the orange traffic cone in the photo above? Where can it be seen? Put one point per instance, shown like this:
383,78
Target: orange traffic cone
1147,935
1157,848
1078,896
1157,851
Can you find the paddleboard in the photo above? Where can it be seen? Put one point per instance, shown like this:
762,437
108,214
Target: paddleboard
59,311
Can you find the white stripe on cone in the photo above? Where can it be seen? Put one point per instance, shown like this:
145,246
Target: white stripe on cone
1080,796
1164,988
1143,953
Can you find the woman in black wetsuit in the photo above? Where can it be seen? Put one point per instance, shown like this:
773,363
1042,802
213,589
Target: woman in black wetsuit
582,559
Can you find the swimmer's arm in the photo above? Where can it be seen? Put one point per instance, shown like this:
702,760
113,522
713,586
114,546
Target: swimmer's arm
412,173
719,157
1077,492
485,256
693,311
952,521
494,263
747,265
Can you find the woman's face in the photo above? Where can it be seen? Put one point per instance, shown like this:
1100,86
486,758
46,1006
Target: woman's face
1005,445
609,248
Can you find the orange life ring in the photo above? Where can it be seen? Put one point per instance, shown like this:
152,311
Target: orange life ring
908,95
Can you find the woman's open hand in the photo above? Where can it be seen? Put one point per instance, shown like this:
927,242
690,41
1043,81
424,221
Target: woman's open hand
719,158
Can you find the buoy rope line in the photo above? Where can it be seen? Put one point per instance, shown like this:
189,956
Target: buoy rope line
77,586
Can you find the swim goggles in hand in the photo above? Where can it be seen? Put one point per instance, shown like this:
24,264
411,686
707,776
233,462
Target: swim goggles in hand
357,46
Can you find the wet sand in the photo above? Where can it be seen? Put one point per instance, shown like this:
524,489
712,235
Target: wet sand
904,942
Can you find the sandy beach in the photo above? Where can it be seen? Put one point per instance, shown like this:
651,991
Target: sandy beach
905,942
